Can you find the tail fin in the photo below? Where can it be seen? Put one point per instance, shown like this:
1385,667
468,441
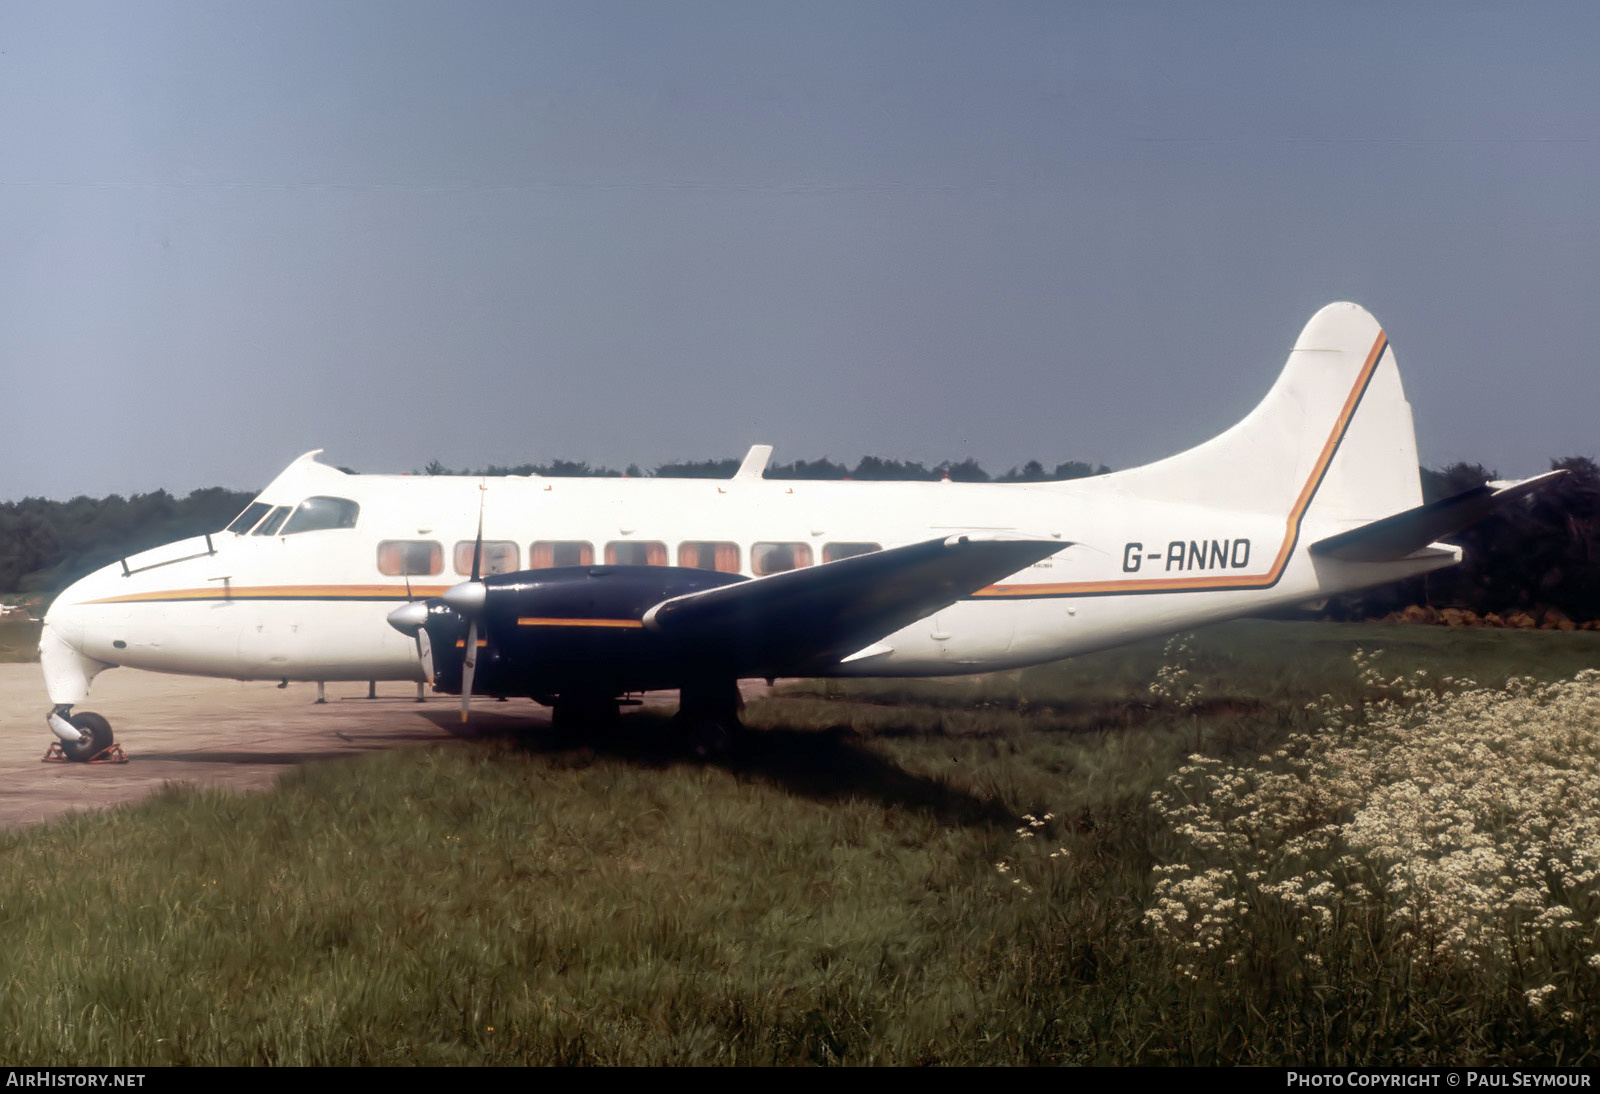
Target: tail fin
1333,439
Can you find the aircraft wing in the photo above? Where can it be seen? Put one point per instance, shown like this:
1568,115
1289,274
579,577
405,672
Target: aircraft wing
821,614
1408,532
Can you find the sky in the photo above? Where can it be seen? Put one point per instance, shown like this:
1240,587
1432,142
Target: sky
647,232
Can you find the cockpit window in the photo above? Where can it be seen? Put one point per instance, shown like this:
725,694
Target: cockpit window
274,518
247,519
315,514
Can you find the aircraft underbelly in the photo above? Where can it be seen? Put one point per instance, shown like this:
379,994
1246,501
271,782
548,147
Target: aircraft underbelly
195,638
247,640
317,640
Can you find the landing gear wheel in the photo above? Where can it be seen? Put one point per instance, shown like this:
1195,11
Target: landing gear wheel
97,737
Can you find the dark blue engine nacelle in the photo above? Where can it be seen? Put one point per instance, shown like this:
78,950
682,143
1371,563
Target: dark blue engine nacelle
573,629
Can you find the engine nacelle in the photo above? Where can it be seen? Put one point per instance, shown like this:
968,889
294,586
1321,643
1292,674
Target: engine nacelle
570,629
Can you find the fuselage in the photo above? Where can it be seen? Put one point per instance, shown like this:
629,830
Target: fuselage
276,599
301,585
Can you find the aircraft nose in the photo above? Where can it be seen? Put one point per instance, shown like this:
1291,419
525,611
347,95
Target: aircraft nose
65,615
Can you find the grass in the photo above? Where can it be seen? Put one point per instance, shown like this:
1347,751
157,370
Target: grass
830,891
19,639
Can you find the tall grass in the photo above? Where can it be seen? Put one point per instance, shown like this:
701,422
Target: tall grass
880,872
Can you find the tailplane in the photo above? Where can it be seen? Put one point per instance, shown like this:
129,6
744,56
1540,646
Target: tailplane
1406,533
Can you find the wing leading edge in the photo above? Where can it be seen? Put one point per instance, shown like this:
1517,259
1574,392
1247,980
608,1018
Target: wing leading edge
819,615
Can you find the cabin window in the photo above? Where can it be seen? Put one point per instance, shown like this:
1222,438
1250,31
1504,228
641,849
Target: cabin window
709,556
774,558
316,514
499,557
247,519
833,552
636,554
560,552
274,518
402,557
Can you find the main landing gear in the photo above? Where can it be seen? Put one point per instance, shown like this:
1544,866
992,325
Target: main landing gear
708,716
85,737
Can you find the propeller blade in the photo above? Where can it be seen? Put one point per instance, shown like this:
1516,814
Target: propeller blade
469,665
477,544
425,655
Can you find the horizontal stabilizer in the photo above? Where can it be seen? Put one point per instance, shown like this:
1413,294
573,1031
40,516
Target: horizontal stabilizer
1409,532
820,614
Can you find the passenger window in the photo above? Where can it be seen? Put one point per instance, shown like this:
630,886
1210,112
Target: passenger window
774,558
636,554
399,557
316,514
247,519
499,557
560,552
833,552
709,556
274,518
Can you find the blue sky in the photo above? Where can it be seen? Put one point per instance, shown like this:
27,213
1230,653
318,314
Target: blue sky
645,232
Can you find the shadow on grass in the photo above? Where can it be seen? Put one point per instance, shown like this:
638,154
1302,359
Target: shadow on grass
358,743
829,765
269,759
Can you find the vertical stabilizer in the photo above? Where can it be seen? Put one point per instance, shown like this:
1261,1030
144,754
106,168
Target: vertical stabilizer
1332,441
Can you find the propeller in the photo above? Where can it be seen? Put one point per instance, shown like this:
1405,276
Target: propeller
411,619
468,598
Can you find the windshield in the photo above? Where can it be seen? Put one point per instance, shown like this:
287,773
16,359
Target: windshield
315,514
274,519
247,519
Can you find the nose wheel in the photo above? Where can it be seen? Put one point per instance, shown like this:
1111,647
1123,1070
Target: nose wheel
95,743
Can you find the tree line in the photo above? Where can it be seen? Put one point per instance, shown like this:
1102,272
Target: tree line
1543,552
869,468
1538,553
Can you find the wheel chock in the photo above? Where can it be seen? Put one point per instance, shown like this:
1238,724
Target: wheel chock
112,755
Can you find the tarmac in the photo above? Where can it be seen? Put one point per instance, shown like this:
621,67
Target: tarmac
229,733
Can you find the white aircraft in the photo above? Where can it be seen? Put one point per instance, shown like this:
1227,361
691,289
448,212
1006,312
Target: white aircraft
576,592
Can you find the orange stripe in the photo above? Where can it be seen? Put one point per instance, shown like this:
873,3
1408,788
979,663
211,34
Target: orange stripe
1291,531
537,621
267,592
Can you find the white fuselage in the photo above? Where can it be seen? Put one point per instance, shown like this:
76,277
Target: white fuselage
312,605
1219,531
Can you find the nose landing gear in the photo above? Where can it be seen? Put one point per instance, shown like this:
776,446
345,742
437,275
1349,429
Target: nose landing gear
85,738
